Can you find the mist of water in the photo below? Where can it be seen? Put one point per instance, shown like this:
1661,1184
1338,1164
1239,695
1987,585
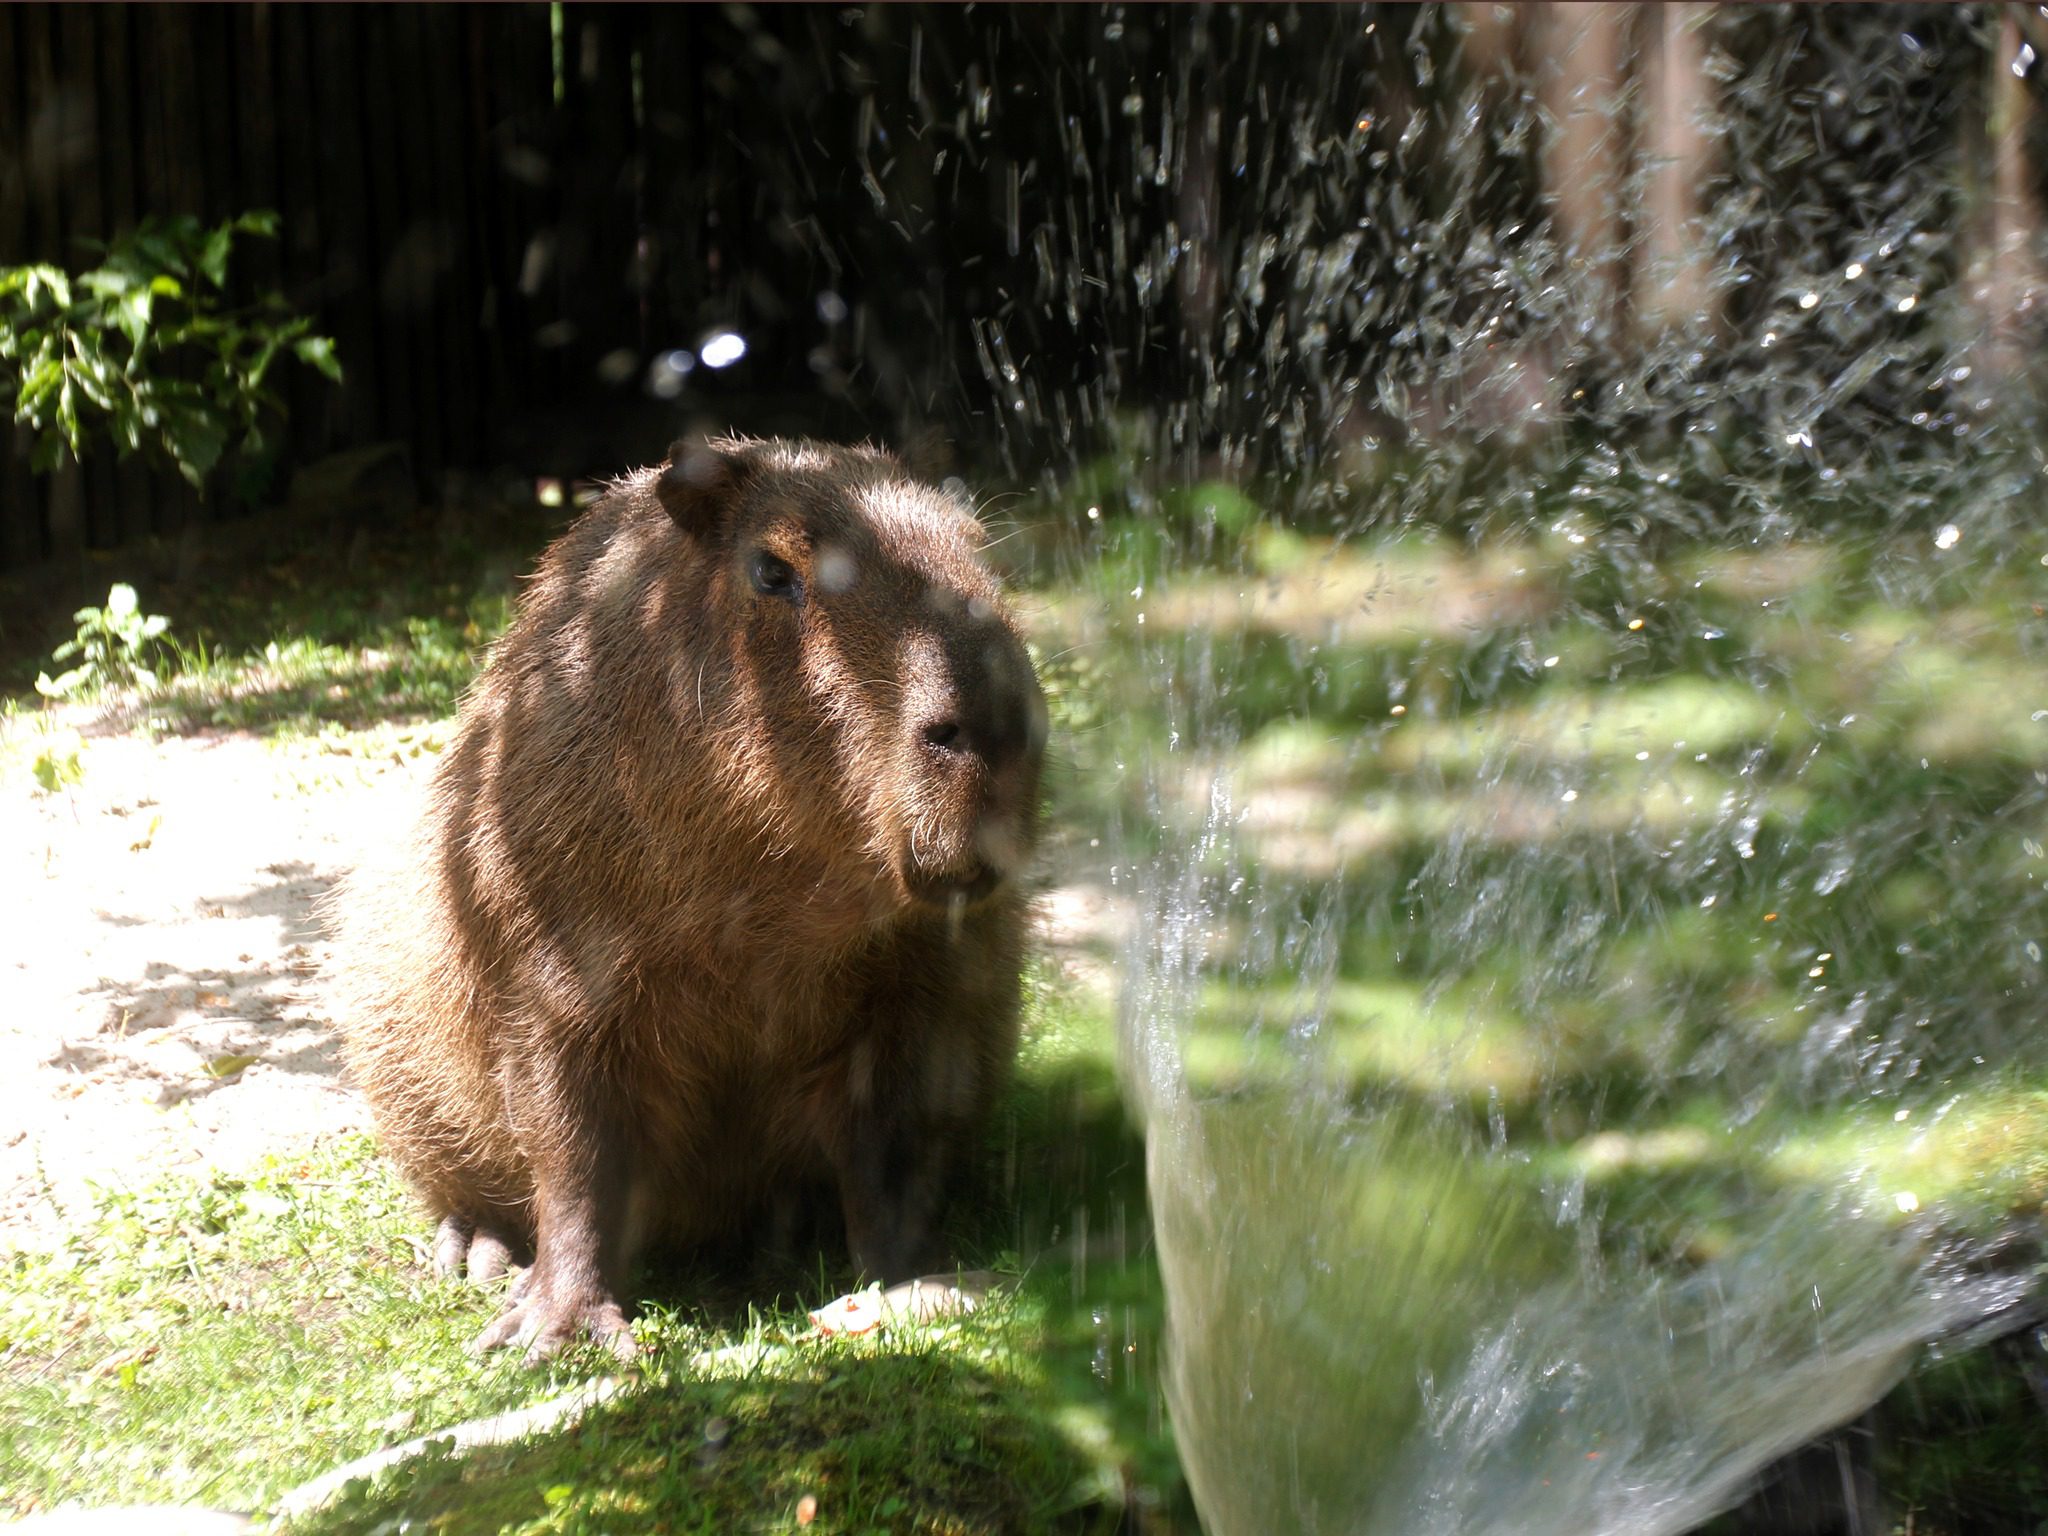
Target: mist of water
1555,497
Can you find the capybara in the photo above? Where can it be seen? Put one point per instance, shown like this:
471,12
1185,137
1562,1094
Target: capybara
717,892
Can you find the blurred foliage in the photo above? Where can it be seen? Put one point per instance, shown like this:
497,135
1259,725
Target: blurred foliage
149,349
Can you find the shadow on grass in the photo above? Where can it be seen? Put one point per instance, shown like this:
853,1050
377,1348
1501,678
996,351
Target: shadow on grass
896,1439
1040,1413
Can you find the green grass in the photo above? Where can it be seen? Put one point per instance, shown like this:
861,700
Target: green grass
1599,849
220,1342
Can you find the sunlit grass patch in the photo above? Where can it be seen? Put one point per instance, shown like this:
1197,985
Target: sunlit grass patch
416,670
1796,577
1981,1153
1678,714
1362,1033
213,1342
1351,594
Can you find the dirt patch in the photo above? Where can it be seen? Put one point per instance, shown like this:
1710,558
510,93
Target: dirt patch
160,1006
162,980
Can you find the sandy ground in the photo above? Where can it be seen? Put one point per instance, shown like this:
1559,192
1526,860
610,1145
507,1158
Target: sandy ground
162,1002
160,999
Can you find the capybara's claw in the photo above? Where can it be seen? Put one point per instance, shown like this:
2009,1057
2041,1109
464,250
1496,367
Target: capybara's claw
461,1246
545,1326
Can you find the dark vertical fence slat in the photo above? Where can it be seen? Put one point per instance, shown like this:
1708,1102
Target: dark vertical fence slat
260,264
21,510
454,315
85,156
180,186
671,142
44,223
61,532
316,409
13,167
414,259
213,56
485,228
516,88
351,267
440,210
386,218
135,485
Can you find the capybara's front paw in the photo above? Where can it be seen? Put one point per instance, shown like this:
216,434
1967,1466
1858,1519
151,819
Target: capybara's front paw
544,1318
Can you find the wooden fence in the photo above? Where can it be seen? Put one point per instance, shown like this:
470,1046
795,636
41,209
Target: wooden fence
425,160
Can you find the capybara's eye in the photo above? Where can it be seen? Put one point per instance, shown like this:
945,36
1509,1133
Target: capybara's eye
772,577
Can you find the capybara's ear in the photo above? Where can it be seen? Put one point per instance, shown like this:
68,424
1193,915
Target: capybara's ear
697,483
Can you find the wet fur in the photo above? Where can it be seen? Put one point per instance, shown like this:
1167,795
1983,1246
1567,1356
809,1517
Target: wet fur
653,958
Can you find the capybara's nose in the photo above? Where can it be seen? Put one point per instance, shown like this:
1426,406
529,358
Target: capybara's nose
992,713
992,731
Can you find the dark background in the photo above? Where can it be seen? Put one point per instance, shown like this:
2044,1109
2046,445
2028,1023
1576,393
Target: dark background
1253,236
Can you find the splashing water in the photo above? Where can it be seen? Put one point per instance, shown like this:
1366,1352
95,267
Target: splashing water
1378,1326
1547,501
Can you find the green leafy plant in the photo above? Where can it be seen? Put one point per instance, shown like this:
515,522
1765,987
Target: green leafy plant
149,348
60,764
113,645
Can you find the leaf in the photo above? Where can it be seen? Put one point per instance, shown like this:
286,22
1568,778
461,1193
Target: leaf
194,438
133,314
318,352
213,256
53,770
107,282
228,1066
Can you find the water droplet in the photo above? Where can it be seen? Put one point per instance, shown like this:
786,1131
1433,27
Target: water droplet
722,349
1853,271
1570,795
1808,299
1905,1199
1711,633
1550,661
666,372
2033,951
1906,304
1947,536
2023,60
1134,104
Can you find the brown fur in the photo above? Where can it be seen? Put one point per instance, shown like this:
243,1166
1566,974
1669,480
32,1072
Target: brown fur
717,890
